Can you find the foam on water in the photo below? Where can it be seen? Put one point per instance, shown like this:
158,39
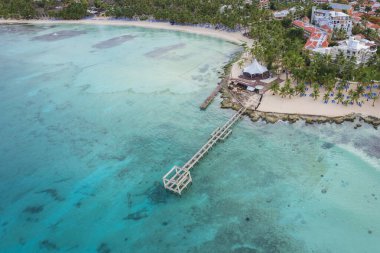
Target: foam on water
87,134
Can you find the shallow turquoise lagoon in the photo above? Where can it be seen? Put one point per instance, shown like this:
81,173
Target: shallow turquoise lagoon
92,117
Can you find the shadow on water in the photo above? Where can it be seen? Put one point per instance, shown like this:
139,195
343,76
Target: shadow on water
157,193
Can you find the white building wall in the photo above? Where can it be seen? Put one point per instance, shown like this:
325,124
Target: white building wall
335,20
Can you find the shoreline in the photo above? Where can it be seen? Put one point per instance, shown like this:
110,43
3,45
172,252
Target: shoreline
274,117
233,37
271,108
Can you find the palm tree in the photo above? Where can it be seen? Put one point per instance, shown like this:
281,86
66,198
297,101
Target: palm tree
360,89
326,97
283,92
240,64
315,94
300,88
374,99
275,87
245,48
290,91
292,61
339,97
355,97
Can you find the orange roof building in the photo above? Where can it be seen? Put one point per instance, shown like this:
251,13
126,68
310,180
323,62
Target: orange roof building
317,37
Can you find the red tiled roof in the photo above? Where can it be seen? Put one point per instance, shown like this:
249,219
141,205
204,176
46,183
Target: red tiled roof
357,14
318,37
307,27
325,43
359,36
372,25
327,28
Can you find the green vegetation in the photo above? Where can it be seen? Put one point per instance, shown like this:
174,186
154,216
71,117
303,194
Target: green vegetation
27,9
73,9
17,9
226,12
334,77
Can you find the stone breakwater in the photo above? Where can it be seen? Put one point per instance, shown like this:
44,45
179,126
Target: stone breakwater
273,117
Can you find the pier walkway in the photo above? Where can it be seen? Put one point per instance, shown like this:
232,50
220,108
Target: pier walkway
214,93
210,98
178,178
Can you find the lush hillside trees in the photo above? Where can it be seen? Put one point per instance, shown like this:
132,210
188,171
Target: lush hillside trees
17,9
73,9
229,13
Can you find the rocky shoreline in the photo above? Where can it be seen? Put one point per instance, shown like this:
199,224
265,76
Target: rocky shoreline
229,102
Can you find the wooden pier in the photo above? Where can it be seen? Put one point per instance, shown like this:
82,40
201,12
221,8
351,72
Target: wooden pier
178,178
210,98
214,93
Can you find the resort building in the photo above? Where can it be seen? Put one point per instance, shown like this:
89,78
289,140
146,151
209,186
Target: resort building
375,6
332,19
279,15
255,69
317,37
357,17
345,8
321,1
373,26
263,4
359,48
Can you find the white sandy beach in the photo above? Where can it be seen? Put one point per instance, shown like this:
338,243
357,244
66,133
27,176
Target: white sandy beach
309,106
234,37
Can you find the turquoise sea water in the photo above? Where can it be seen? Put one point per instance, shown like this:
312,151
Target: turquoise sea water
92,117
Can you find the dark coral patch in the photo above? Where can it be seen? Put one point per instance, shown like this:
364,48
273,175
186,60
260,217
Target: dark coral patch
122,173
53,193
327,145
141,214
34,209
48,245
103,248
